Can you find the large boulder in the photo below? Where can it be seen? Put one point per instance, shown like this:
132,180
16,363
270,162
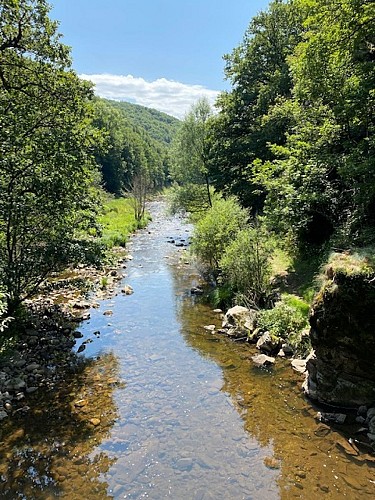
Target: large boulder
239,321
343,335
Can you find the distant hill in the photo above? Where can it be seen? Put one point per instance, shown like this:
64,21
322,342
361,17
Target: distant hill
158,125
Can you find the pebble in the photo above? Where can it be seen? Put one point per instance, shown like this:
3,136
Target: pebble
210,328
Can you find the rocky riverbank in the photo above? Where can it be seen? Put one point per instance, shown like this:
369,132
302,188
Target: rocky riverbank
41,353
239,323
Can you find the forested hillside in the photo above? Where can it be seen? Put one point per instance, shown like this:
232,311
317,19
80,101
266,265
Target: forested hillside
129,152
158,125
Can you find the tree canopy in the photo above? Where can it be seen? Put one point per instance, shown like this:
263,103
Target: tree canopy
46,166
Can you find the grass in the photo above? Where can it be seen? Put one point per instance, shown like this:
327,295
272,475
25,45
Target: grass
118,221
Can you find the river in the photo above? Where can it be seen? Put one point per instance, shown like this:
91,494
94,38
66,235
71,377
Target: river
161,408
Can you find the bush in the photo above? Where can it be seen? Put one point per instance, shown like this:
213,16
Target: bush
246,264
283,321
217,229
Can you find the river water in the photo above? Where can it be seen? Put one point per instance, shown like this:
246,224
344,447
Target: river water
161,408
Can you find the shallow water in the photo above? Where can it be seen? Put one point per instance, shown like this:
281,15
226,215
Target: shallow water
163,408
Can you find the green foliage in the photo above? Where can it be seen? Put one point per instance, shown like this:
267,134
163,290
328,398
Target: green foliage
189,197
46,168
246,264
117,222
260,76
296,303
217,229
282,321
128,153
190,152
323,183
160,126
354,263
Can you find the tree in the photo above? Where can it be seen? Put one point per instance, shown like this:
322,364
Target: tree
190,150
217,229
259,73
323,182
46,166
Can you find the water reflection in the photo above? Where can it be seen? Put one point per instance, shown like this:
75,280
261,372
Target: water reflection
48,453
313,459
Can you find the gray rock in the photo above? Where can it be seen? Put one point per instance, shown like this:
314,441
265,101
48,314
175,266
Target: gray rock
32,366
299,365
362,410
210,328
287,349
263,360
268,344
240,318
336,418
184,464
3,414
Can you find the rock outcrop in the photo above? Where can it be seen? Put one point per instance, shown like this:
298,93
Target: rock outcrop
239,322
343,334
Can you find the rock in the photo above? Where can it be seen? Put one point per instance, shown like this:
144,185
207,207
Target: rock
77,335
30,390
127,290
336,418
184,464
342,323
370,414
108,313
32,366
95,421
239,322
3,414
268,344
210,328
81,403
218,311
263,360
15,384
299,365
196,290
360,420
287,349
362,410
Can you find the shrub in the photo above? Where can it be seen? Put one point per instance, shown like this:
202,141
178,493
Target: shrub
217,229
246,264
283,321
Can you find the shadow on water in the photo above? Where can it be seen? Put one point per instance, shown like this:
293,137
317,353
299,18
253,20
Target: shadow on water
49,452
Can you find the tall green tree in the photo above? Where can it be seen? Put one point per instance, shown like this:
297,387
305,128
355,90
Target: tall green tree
190,151
259,73
46,166
324,180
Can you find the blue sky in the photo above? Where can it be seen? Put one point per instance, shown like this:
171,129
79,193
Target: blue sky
159,53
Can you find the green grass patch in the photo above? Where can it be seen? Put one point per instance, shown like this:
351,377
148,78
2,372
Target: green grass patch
118,221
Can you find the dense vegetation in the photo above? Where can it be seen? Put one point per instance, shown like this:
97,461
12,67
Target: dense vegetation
59,146
128,151
47,195
285,165
293,140
158,125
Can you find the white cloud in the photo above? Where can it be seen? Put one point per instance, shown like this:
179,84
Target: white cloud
171,97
